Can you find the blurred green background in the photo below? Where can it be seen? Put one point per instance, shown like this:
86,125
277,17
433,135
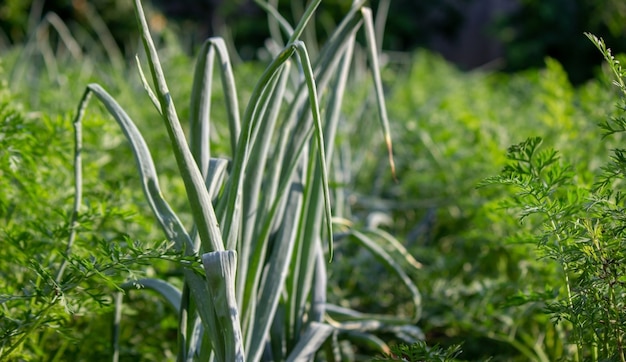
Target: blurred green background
508,35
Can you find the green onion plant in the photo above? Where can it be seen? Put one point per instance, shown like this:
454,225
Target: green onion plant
254,260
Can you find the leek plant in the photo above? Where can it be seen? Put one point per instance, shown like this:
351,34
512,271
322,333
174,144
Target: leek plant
254,260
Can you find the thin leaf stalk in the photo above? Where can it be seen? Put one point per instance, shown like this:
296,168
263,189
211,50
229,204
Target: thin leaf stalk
117,320
370,37
78,180
146,86
304,20
185,316
197,195
337,90
200,108
215,47
319,136
570,302
276,21
308,229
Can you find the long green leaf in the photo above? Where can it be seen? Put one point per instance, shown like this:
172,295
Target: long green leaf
312,339
220,268
146,86
304,21
169,292
317,312
200,107
367,340
216,176
274,15
276,273
117,321
78,180
201,99
166,217
394,266
319,136
370,36
197,195
346,319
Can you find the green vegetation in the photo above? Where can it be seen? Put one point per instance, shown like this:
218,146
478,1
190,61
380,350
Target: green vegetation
528,30
579,229
167,235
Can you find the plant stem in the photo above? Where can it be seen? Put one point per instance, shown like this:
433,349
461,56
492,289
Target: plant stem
78,179
570,303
